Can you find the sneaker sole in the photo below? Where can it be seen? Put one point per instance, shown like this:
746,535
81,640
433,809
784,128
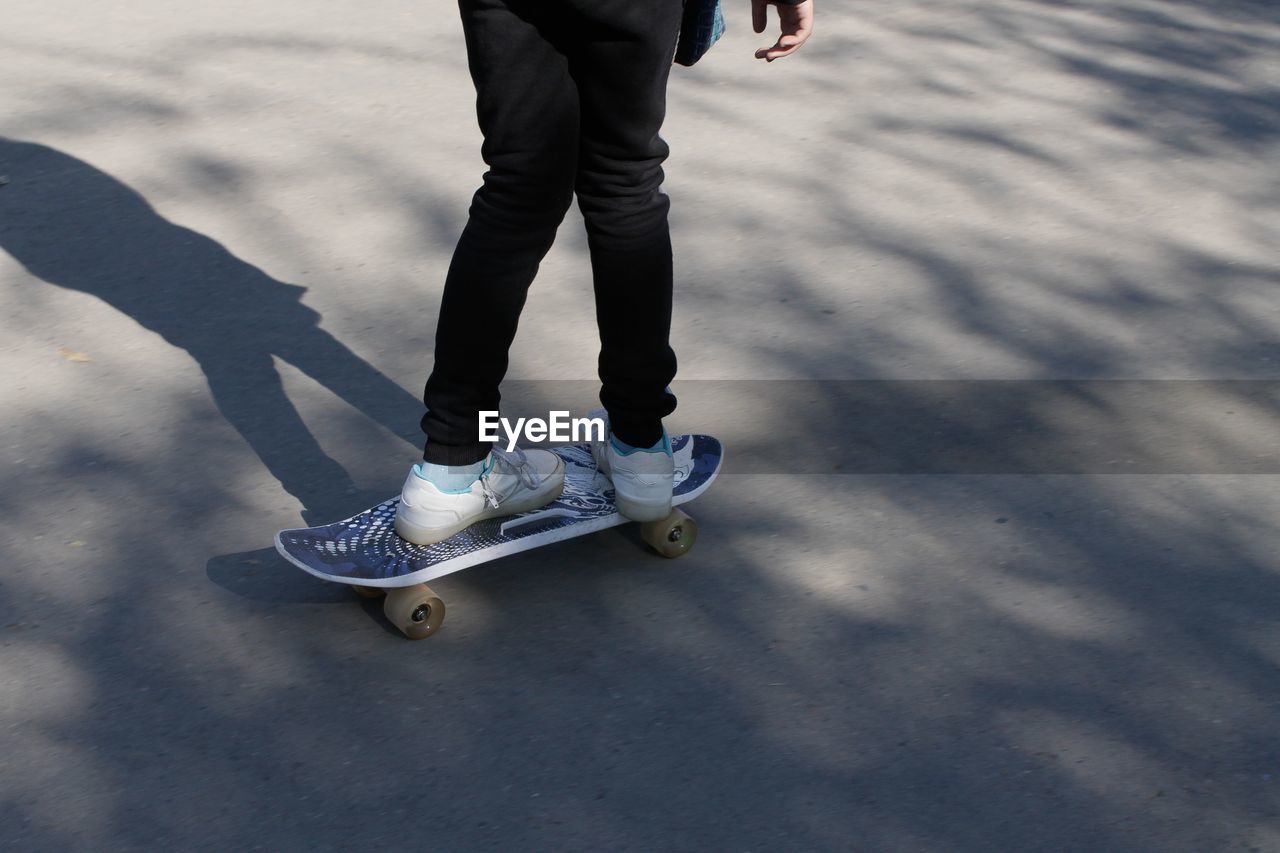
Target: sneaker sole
642,511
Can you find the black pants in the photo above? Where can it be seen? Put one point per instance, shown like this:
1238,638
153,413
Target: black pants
570,96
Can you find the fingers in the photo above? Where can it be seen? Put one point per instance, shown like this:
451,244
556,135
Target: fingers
796,23
785,46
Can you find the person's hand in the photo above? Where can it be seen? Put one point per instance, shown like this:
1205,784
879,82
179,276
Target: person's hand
796,23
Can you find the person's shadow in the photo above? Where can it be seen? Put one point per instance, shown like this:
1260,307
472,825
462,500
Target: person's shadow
75,227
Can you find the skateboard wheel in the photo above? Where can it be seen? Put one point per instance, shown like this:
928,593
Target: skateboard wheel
671,536
368,591
415,610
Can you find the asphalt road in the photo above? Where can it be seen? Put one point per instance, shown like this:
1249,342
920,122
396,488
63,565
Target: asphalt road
982,297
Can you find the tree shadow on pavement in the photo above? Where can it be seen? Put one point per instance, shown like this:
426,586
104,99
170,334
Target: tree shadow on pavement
885,659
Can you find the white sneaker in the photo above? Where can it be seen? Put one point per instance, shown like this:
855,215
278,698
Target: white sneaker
510,483
642,479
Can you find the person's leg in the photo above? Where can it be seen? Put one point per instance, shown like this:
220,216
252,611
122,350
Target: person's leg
527,106
621,63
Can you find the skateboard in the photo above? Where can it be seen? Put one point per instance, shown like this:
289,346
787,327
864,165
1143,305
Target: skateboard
365,553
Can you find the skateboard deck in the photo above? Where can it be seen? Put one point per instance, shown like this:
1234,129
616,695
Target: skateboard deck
364,551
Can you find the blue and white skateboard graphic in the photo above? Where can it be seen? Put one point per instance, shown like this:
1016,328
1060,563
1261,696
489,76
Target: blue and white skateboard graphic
365,552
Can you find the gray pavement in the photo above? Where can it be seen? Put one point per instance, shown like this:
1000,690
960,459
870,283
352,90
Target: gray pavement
961,587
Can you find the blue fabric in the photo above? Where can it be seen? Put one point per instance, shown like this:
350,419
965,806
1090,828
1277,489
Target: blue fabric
701,27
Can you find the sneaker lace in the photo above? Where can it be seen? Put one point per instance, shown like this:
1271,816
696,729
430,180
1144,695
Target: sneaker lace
513,462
